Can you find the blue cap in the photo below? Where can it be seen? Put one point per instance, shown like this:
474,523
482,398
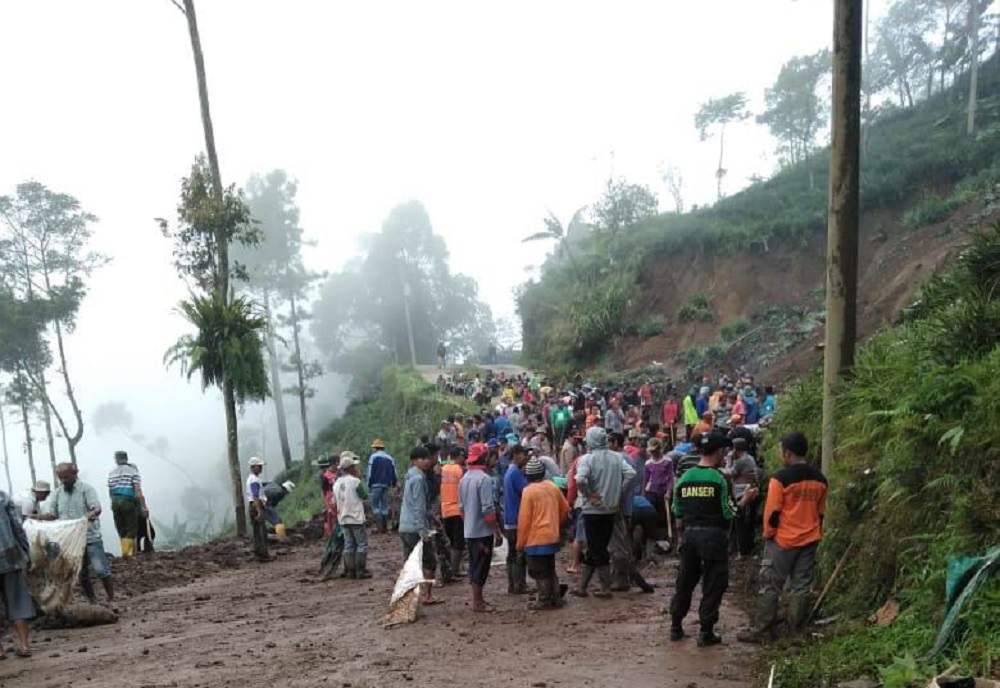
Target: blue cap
492,443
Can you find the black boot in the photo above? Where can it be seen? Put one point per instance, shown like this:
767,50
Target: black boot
641,583
708,637
676,630
361,565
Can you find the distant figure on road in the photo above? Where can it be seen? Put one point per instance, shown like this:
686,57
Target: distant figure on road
442,352
128,504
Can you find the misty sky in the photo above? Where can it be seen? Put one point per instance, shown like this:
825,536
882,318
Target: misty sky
489,117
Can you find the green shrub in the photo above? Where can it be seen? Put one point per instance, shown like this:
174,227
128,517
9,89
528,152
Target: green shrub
916,479
697,308
735,328
649,325
932,208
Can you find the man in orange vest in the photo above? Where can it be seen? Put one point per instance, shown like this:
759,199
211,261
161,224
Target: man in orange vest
452,471
793,528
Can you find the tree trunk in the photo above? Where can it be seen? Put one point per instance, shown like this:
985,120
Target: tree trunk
233,446
222,267
26,419
842,228
6,453
74,439
301,374
719,172
47,421
970,127
279,402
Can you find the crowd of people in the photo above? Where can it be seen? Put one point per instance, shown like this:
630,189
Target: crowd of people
614,472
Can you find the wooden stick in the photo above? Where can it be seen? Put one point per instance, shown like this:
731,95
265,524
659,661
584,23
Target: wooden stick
831,579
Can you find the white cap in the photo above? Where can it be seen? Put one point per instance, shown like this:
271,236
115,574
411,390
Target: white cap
348,461
256,461
288,485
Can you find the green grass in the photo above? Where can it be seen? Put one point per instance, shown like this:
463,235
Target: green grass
916,479
405,407
697,308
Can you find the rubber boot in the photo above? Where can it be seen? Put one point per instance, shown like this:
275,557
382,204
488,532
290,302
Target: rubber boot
641,583
349,571
799,611
544,600
281,531
620,577
518,572
767,615
557,593
382,526
128,547
361,565
676,629
88,589
604,575
581,586
708,637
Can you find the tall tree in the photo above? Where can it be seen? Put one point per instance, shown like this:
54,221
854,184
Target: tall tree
44,253
796,109
715,114
278,276
220,233
363,307
227,348
3,441
974,13
673,179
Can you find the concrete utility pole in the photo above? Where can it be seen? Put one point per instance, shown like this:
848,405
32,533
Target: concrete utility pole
842,220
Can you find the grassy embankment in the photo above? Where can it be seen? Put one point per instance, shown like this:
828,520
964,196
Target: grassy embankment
917,478
918,162
404,408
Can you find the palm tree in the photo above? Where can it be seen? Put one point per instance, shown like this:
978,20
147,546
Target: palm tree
554,230
227,351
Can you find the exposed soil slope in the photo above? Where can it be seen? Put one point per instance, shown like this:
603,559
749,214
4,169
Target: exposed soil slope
893,263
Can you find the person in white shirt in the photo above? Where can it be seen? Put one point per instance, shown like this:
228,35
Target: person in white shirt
29,502
350,495
255,498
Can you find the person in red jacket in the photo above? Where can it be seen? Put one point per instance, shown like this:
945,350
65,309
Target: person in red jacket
793,528
543,510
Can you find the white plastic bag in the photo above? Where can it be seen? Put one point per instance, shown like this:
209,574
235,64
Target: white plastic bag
500,554
405,598
56,550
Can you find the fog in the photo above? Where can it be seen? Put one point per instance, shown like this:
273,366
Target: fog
488,115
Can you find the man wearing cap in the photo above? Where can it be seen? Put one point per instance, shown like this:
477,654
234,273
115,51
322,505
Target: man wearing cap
415,518
29,501
514,483
381,478
703,505
128,504
350,495
542,512
255,499
601,478
74,500
482,528
793,528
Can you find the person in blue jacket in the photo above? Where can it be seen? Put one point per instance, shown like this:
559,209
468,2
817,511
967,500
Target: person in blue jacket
381,478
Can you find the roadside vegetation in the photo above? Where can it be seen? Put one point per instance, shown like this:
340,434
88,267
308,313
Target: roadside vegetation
916,479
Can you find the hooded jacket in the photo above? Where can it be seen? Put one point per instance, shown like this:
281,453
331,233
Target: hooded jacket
603,473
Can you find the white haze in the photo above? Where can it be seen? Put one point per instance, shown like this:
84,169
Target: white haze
490,115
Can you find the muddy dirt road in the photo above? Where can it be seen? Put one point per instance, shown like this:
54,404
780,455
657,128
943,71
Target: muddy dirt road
224,621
